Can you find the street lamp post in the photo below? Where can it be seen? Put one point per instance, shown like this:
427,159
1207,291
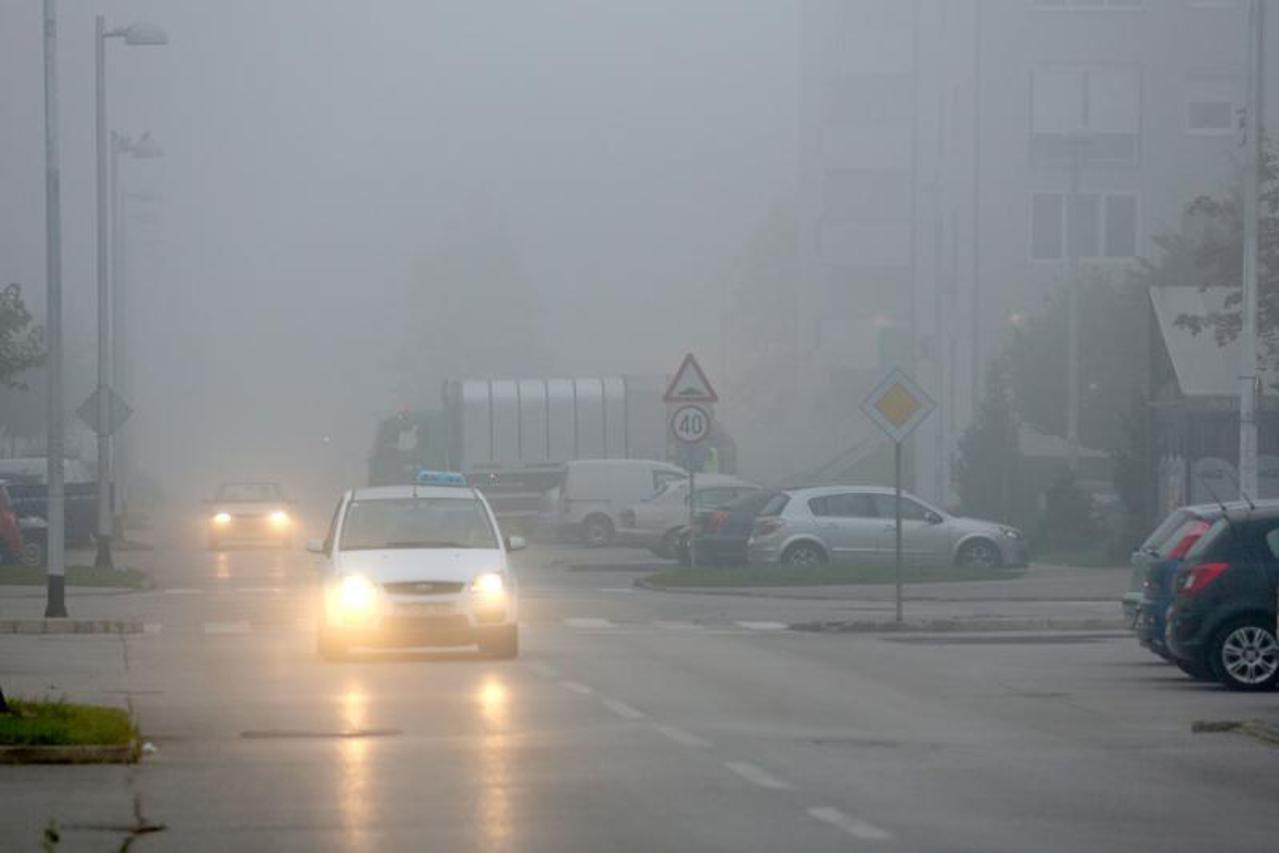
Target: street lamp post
55,601
133,35
1078,142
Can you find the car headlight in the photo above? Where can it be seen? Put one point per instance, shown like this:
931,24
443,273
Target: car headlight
353,598
489,583
1011,532
279,518
222,519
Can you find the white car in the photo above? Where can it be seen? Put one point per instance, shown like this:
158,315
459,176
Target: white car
419,565
656,522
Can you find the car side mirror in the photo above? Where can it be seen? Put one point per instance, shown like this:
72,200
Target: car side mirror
516,543
315,546
933,518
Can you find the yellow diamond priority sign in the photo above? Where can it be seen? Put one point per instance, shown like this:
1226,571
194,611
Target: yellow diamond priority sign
897,405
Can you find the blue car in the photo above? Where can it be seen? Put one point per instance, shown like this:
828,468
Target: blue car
1155,564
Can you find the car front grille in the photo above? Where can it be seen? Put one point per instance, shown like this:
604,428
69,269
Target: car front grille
424,587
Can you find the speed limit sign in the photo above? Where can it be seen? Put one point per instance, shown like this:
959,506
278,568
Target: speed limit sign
690,423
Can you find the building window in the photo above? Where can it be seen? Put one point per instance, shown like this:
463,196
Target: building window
1096,106
1210,105
1099,225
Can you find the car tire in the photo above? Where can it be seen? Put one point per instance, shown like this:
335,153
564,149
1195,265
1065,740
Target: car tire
331,647
33,554
1198,670
683,553
1244,654
502,643
669,549
979,554
804,554
597,531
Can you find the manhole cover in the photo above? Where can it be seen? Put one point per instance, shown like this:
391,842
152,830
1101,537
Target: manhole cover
304,734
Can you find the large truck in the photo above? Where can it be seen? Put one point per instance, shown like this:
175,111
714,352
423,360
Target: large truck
511,437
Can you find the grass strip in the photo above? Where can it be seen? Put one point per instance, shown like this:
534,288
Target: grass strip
77,576
65,724
823,575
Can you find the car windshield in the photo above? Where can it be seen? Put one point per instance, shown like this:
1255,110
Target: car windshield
416,523
249,492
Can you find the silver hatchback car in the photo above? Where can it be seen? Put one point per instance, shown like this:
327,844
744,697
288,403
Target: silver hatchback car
857,524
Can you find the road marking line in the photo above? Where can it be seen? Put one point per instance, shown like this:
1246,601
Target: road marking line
577,687
543,669
260,590
678,626
152,628
758,775
622,709
226,627
587,622
682,737
182,590
616,589
763,626
854,826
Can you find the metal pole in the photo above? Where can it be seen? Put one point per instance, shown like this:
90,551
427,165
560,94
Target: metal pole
1248,333
117,145
1072,317
975,355
897,480
103,558
55,560
692,519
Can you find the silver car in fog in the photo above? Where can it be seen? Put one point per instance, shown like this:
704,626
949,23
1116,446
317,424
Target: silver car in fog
856,524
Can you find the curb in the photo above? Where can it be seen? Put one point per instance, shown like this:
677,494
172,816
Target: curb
123,754
69,626
767,592
959,625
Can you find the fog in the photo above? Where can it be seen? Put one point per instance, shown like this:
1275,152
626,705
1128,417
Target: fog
323,162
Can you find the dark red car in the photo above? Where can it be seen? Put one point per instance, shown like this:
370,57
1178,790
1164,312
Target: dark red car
10,531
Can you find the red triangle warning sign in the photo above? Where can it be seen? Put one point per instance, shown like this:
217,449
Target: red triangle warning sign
690,384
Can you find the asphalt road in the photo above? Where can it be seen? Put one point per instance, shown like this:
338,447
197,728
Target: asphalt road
633,721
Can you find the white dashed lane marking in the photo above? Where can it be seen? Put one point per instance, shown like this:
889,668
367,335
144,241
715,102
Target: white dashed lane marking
587,622
544,669
762,626
182,590
577,687
152,628
226,627
854,826
682,737
622,709
758,775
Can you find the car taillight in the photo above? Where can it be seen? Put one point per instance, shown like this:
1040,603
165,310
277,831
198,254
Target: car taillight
1199,576
765,526
1188,541
715,521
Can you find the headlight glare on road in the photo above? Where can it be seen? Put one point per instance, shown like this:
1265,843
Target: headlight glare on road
222,519
489,583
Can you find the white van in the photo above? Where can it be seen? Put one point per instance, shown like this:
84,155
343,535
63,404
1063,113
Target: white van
586,504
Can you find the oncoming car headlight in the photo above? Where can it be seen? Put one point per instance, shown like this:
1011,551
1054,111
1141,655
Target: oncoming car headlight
353,598
279,518
489,583
222,519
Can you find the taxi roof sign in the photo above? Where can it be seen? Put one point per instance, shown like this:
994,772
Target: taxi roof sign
898,405
690,384
440,478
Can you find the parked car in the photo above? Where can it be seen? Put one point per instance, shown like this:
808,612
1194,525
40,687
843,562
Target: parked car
1222,620
1156,562
720,535
587,503
27,481
656,522
857,524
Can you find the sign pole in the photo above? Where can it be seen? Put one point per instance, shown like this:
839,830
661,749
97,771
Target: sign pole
692,519
689,396
897,477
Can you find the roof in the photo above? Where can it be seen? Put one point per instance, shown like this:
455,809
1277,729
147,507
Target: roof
379,493
1203,367
1257,509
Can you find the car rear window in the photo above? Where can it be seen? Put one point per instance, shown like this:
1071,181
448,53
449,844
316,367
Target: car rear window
1179,543
1163,532
776,504
1209,540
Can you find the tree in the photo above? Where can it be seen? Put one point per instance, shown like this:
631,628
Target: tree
21,341
1208,253
987,470
1113,360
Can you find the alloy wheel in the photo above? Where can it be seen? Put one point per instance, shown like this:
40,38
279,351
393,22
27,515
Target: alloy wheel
1250,655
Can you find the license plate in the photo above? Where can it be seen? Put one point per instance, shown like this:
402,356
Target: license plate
424,608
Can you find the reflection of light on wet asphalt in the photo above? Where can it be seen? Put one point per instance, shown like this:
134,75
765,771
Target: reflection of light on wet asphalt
222,566
493,698
353,761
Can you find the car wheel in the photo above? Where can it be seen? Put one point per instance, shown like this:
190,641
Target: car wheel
1245,656
669,549
683,554
979,554
804,554
331,647
32,555
1198,670
503,643
597,531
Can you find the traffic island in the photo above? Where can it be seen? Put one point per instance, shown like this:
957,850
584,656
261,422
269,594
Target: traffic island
78,576
733,577
66,733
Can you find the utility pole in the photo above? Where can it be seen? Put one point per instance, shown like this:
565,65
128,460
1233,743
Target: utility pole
103,558
1253,130
1073,217
55,560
